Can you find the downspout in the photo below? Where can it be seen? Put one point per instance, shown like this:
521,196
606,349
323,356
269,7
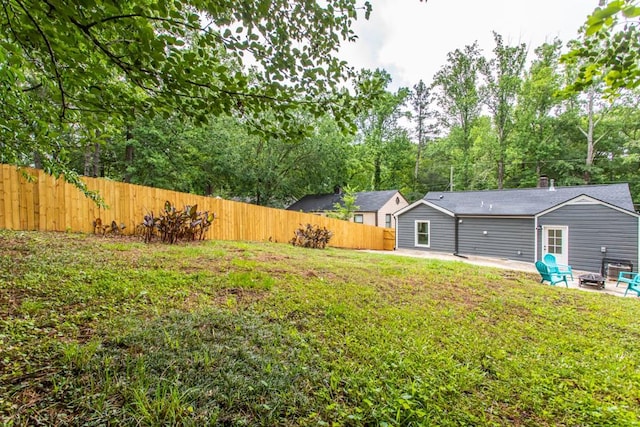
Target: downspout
535,238
456,233
397,228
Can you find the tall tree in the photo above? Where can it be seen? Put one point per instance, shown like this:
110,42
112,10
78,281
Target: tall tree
275,172
594,111
591,105
458,96
503,76
421,100
221,158
625,155
65,64
537,142
379,126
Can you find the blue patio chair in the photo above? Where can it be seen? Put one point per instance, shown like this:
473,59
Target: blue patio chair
550,276
562,269
631,279
626,277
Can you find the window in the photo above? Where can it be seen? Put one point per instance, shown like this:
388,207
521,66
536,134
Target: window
358,218
422,233
387,220
554,241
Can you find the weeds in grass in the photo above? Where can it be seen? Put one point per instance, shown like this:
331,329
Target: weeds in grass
224,333
248,280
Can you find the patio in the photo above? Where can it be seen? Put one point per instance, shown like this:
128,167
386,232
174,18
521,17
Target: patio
610,286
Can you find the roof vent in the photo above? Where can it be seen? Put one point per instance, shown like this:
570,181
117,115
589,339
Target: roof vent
552,187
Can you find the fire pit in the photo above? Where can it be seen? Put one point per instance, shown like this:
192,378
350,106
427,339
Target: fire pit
591,279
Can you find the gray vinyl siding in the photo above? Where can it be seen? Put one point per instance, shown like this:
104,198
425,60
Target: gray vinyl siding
511,238
441,228
591,227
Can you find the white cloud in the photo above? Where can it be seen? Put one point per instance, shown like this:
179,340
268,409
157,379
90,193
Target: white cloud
411,39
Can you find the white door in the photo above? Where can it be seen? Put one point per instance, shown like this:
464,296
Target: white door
555,240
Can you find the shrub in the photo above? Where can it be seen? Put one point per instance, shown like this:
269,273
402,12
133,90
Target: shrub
186,224
100,228
311,236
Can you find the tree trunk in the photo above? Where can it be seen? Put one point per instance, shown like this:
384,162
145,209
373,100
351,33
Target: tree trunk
92,160
418,156
419,153
97,166
589,134
502,146
88,159
590,143
128,159
37,160
465,158
377,172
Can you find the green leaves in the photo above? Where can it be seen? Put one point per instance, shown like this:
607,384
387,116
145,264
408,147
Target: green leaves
610,48
149,58
606,17
602,17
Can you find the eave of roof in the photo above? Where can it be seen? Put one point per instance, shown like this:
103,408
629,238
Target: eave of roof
526,202
367,201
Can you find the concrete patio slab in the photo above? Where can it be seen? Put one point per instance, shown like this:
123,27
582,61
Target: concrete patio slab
610,286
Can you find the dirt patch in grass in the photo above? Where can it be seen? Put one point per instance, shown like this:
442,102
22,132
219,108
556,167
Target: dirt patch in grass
266,257
233,333
10,300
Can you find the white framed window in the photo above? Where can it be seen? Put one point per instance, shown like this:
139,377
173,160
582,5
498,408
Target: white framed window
387,220
358,218
423,234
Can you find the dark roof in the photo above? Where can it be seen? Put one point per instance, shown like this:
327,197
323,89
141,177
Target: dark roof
367,201
526,201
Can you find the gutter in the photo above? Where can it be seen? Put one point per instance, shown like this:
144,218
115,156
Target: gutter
456,222
535,238
455,234
396,229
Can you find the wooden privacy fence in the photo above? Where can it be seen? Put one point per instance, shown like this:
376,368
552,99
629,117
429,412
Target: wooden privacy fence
42,202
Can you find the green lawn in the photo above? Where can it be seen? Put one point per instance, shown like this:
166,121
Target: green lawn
109,331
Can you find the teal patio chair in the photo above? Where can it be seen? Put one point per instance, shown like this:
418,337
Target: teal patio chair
631,279
550,276
562,269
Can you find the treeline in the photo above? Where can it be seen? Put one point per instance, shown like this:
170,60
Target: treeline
486,121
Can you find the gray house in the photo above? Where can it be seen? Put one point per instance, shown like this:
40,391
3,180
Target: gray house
587,227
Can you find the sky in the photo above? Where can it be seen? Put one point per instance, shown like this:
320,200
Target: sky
411,39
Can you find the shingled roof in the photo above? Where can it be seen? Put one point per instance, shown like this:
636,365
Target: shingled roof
527,201
367,201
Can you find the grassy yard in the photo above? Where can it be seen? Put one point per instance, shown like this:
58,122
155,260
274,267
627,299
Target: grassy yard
109,331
